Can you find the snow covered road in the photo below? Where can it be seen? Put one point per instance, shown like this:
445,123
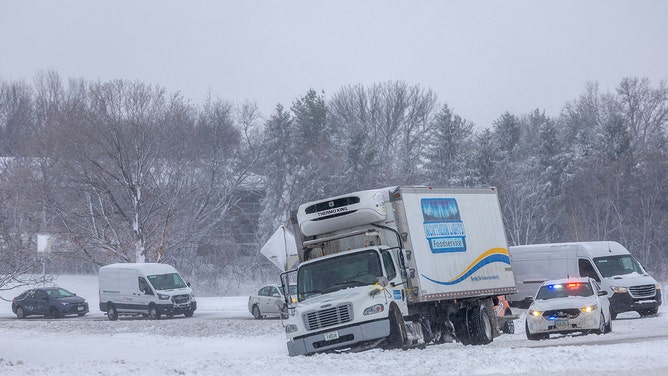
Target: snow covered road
223,339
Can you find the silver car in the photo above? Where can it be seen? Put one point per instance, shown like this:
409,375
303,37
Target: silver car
269,301
568,305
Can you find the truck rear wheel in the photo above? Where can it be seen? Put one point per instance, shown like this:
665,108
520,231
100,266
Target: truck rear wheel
481,331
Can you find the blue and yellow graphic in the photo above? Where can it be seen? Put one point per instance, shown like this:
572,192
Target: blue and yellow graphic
490,256
443,226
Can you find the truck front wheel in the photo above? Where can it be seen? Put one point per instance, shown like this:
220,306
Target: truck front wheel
398,336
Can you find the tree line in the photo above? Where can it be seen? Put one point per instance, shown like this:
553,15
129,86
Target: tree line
123,171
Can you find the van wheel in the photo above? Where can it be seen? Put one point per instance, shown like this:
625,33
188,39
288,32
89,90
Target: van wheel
153,313
648,312
112,313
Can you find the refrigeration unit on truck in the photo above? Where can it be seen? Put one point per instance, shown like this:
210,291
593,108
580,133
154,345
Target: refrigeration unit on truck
397,267
629,286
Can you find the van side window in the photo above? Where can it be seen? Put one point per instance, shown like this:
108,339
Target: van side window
143,286
587,269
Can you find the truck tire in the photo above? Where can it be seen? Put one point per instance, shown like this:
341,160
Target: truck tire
480,326
398,336
461,324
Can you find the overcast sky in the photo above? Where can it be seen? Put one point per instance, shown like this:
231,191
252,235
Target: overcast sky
482,58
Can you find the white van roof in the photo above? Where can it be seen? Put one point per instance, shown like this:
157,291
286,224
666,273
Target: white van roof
595,249
146,268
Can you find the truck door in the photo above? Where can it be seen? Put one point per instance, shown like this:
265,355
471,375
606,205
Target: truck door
392,265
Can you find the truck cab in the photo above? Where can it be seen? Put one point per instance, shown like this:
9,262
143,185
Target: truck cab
335,291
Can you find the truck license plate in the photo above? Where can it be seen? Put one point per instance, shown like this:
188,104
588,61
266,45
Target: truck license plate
331,336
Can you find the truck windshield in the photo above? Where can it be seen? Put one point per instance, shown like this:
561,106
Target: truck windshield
166,281
611,266
332,274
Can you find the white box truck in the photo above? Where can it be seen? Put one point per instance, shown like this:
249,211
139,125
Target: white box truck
397,267
629,286
148,289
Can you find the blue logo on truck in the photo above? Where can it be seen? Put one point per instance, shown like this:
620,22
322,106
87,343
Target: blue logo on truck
443,226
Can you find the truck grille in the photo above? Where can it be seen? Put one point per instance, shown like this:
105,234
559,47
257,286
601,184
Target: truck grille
328,317
644,291
180,299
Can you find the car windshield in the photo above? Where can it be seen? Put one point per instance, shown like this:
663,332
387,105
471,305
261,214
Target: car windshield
166,281
59,293
562,290
332,274
611,266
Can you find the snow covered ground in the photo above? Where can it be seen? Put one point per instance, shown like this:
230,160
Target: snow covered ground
223,339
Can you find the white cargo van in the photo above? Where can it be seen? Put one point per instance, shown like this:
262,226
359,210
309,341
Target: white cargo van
149,289
629,286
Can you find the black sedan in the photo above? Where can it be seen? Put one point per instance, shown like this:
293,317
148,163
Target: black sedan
55,302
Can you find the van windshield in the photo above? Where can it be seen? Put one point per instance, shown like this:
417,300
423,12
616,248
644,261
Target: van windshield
611,266
166,281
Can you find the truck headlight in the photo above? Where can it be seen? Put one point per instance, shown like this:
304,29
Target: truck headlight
376,308
290,328
619,289
163,297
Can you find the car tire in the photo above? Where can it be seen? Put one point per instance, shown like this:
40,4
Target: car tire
112,313
20,313
256,312
536,336
601,325
608,326
153,313
189,313
55,313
